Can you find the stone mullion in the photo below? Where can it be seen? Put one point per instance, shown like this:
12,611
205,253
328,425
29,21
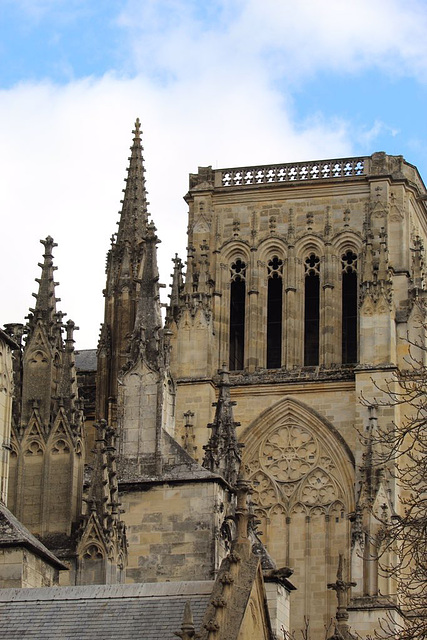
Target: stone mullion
307,572
254,342
222,313
330,313
290,326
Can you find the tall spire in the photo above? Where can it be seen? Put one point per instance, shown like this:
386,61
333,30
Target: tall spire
223,450
125,265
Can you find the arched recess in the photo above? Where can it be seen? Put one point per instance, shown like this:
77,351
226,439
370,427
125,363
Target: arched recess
302,473
92,564
30,499
235,252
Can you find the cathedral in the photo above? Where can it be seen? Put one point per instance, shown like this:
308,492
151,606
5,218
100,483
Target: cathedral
219,462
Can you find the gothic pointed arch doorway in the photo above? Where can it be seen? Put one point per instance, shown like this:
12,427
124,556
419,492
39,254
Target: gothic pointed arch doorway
302,472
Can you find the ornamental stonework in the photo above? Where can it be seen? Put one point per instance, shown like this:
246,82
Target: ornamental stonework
292,466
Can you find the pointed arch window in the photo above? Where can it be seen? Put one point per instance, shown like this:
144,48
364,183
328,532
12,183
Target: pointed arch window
274,313
349,307
311,310
237,315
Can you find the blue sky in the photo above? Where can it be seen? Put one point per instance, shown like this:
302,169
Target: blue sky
224,82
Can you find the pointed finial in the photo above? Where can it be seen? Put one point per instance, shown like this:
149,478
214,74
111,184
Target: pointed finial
341,588
137,130
224,377
188,629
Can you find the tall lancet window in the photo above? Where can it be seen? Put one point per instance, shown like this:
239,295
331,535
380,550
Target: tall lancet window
274,313
349,307
311,311
237,315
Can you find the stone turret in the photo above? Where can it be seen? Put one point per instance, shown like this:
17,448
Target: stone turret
46,463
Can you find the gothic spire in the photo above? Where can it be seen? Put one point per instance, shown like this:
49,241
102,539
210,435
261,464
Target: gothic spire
126,261
223,450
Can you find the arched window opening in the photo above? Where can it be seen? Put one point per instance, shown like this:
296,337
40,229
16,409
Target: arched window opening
311,311
274,313
349,307
237,315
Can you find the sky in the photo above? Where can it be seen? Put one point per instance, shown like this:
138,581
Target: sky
219,82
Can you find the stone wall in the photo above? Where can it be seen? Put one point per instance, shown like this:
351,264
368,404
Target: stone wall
173,531
20,568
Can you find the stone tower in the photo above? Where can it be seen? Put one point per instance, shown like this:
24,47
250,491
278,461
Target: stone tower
305,279
47,441
173,508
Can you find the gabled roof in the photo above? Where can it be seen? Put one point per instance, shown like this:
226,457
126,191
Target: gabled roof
14,534
153,611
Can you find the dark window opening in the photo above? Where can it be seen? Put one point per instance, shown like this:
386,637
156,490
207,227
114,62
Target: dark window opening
274,314
237,316
349,308
311,312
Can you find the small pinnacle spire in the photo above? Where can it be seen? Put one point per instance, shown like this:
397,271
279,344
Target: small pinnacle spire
223,450
188,629
341,587
176,289
45,308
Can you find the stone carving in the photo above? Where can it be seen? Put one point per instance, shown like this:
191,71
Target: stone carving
347,167
266,495
292,466
289,453
34,449
318,489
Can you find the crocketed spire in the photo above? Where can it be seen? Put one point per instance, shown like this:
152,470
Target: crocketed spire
45,308
126,262
134,216
223,450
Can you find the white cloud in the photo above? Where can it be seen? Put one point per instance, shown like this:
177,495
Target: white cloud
206,94
297,37
63,159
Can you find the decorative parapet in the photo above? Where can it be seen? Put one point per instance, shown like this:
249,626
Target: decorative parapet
376,165
292,172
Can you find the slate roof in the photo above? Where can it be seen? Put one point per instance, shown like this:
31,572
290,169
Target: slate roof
151,611
85,359
14,534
